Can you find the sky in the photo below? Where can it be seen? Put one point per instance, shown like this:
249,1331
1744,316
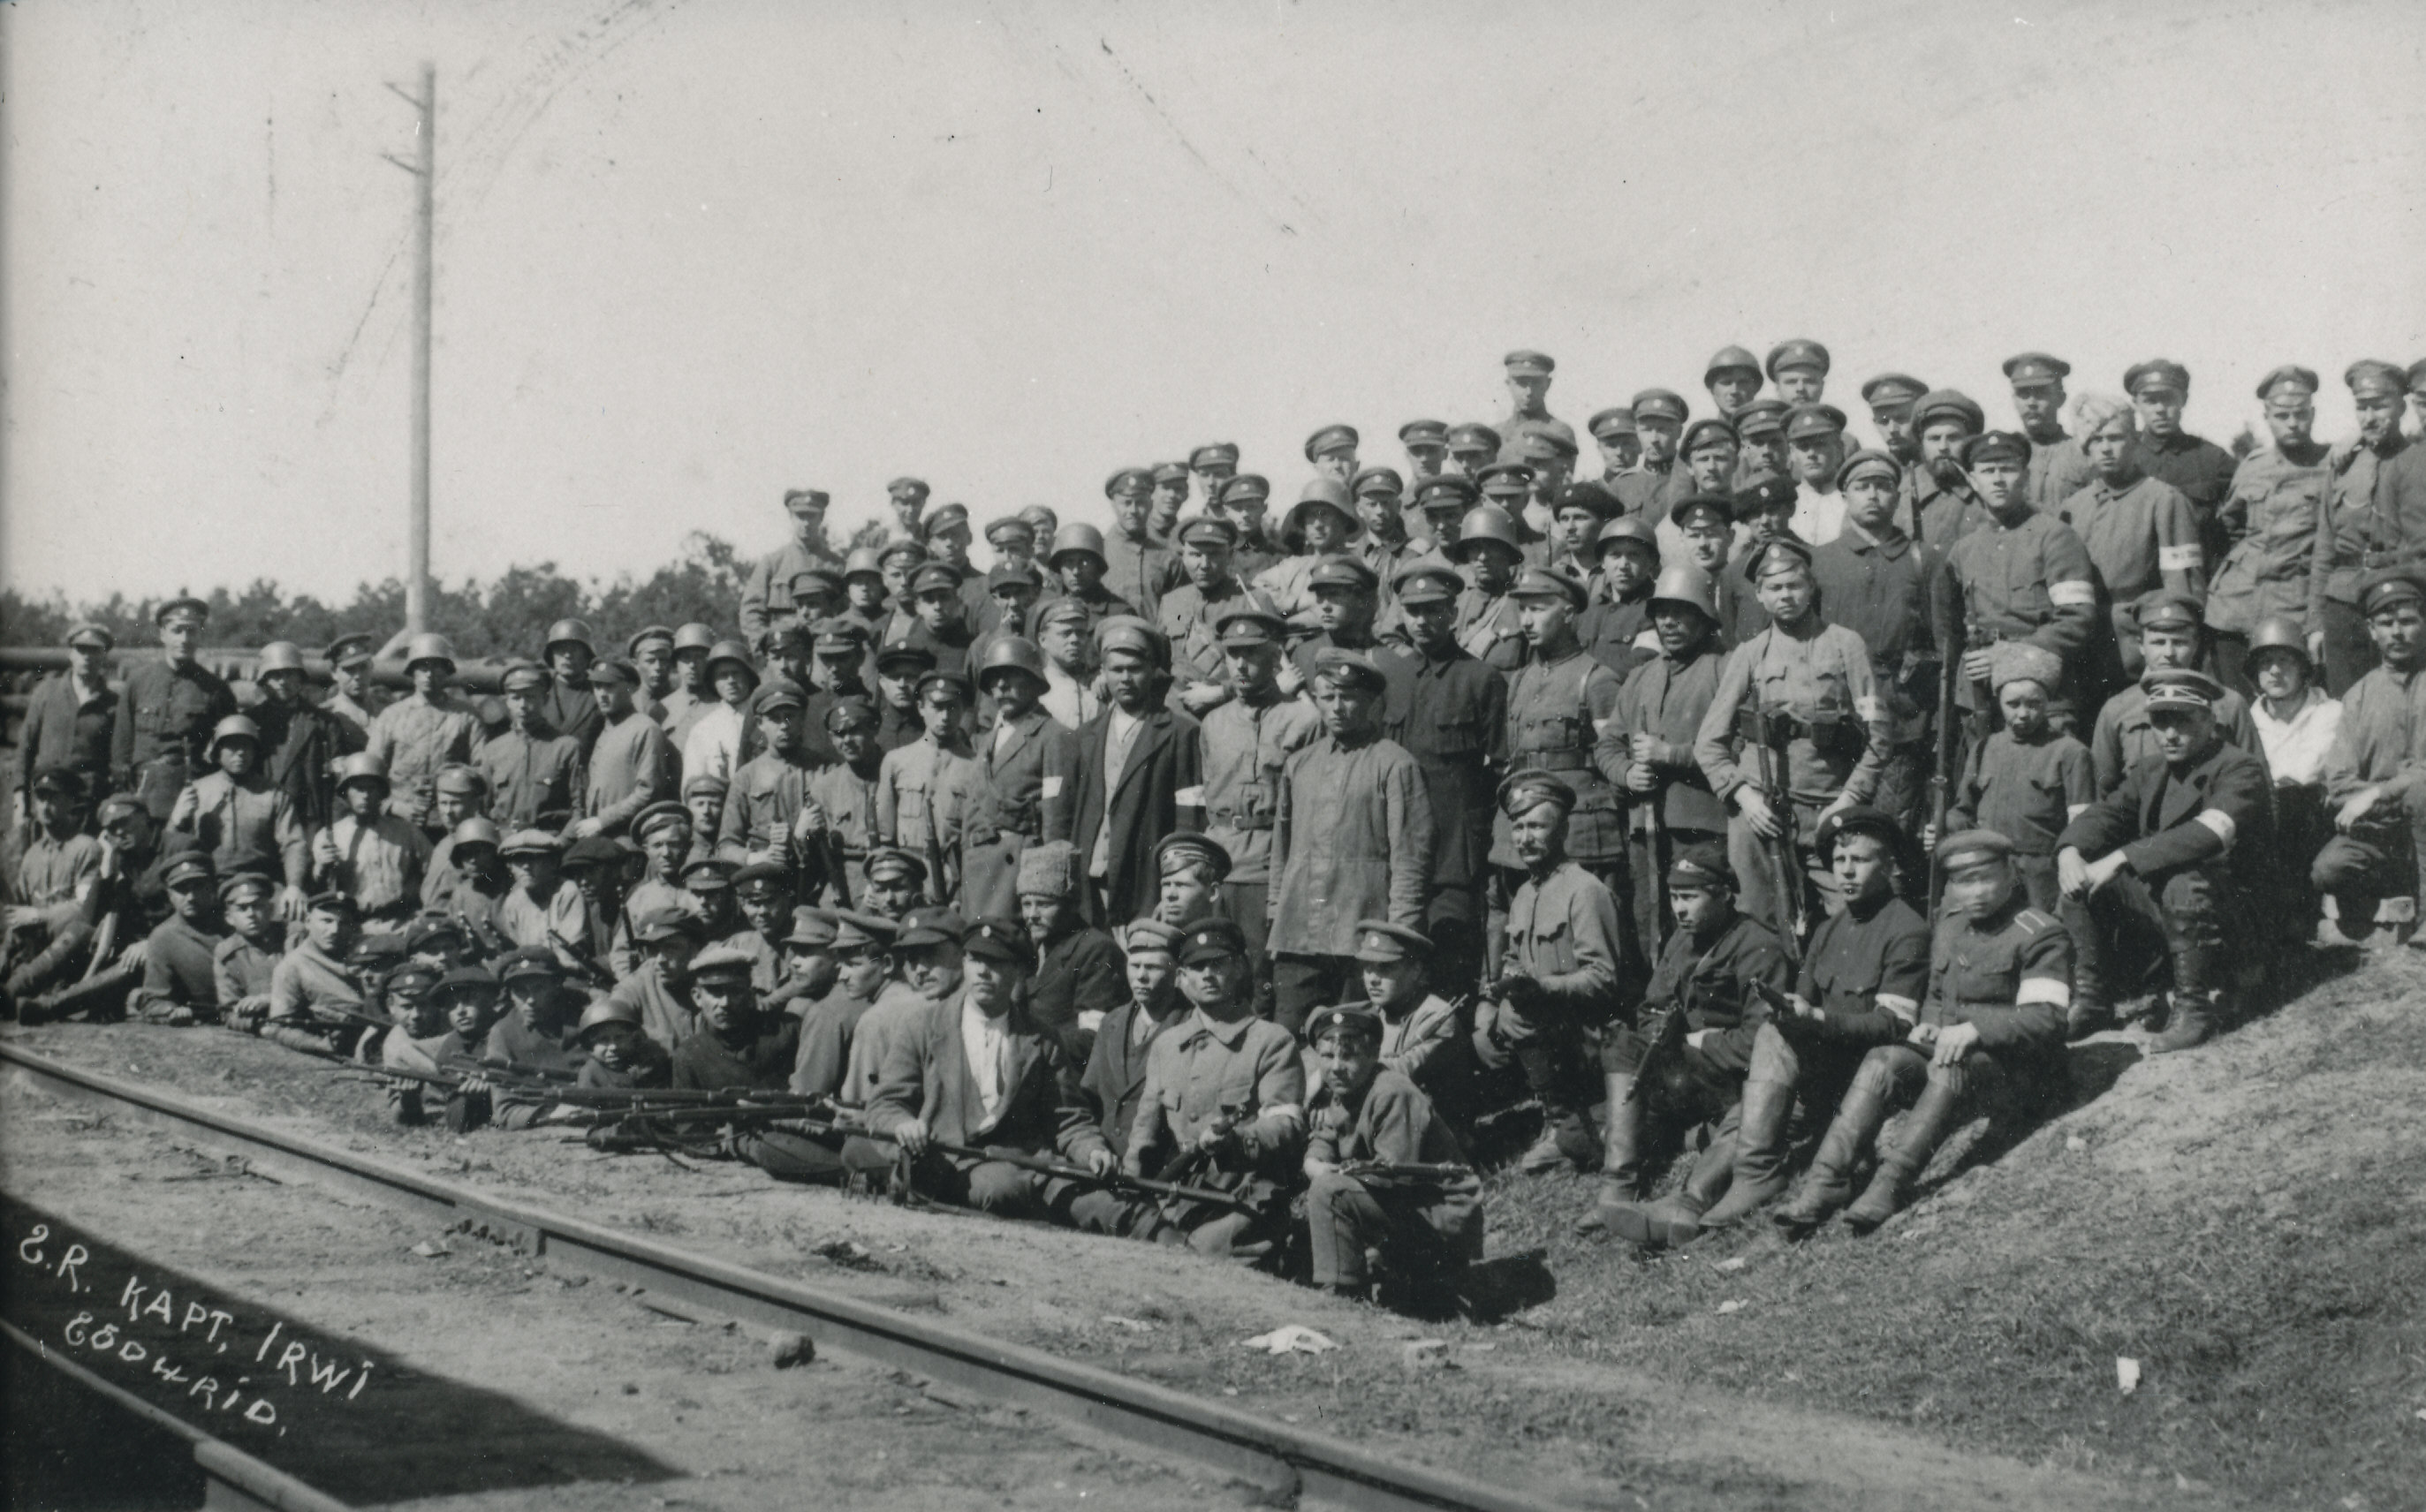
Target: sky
690,255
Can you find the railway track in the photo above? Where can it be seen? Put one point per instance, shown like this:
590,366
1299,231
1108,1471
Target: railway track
1287,1465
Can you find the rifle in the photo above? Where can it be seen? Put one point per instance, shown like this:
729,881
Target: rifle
1771,731
1045,1166
1941,779
1656,833
1406,1173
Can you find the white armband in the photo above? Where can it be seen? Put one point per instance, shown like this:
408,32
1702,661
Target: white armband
1902,1007
1053,787
2046,989
2178,558
2072,593
2074,811
2221,823
1189,798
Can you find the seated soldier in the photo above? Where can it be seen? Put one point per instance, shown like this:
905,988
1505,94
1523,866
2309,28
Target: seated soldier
179,984
468,996
2167,865
596,867
544,907
762,896
2028,779
474,883
1078,976
247,955
1859,986
316,995
1224,1107
861,952
236,812
808,971
417,1038
976,1071
1096,1132
2375,787
1999,975
2297,723
58,868
737,1047
373,856
1684,1058
926,954
1384,1174
659,988
897,883
707,882
1425,1037
623,1057
535,1035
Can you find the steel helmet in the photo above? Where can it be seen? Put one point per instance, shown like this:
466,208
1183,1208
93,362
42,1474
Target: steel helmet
863,560
1486,522
1078,537
2278,633
479,829
731,651
608,1009
361,766
1014,653
693,636
428,646
575,631
235,727
278,656
1686,583
1628,527
1320,492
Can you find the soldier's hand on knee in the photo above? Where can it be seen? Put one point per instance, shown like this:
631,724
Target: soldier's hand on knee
2072,873
1922,1037
1954,1041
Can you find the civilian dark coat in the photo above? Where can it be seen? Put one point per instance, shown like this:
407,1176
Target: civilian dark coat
1161,789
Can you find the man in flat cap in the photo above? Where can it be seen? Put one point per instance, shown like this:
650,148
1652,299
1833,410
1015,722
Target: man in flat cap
2058,469
2173,855
2022,576
69,716
2199,467
1351,838
1191,612
1795,729
1140,775
1246,742
1453,718
2141,531
1138,563
1527,380
2270,518
2375,513
767,603
1557,977
2375,788
1990,1032
167,710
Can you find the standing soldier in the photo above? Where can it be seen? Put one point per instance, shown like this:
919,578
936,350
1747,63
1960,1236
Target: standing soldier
1814,439
761,821
1471,448
1732,378
2199,468
1559,705
1891,396
2173,854
533,773
424,731
68,717
1020,791
1332,451
239,816
1559,977
1453,720
1246,742
906,498
1381,505
1657,482
863,585
692,695
1761,429
1320,525
167,710
1426,443
1242,501
651,650
1492,549
2372,778
2058,468
1876,580
1798,368
1214,463
2140,530
2278,497
2359,529
1353,838
1137,562
1940,505
1647,747
1170,483
299,744
1191,611
766,594
1528,384
1802,689
631,765
1067,638
1621,445
570,709
948,538
917,784
351,697
1080,565
1509,486
840,811
2023,575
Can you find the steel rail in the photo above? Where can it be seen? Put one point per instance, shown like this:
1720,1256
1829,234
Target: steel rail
1289,1465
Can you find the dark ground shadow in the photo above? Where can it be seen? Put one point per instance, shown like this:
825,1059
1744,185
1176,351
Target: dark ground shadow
1493,1289
343,1416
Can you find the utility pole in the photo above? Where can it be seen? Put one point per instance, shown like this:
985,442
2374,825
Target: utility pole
425,172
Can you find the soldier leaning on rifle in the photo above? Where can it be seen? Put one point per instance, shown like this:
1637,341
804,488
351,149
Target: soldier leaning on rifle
2027,781
1859,986
1993,1023
372,854
2171,634
1426,1226
1424,1037
2374,787
2177,851
976,1069
1559,976
423,732
167,710
1646,747
1803,688
1684,1058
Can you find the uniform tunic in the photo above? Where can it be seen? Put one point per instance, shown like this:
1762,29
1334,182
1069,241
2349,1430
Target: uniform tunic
2199,468
2008,975
307,978
767,604
666,1016
561,921
2271,519
2124,737
1557,709
1199,1067
1016,793
1428,1044
1488,628
1619,632
241,969
1246,745
631,766
1564,933
2024,791
827,1030
1708,978
766,796
1190,622
1878,588
1417,1225
415,736
1454,722
163,726
1867,972
1821,678
846,797
243,822
178,970
2057,470
912,787
1353,840
530,775
2141,536
1667,699
2028,580
1135,570
67,724
53,871
380,864
760,1061
2377,738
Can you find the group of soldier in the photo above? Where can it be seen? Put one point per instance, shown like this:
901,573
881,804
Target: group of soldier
1238,886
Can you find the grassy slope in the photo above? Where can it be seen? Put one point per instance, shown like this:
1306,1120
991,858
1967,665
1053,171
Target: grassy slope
2248,1221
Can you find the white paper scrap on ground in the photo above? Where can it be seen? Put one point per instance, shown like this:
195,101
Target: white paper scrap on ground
2127,1373
1291,1338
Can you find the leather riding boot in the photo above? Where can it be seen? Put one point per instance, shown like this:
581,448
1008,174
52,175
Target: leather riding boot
2194,1001
1828,1185
1901,1164
1566,1139
1621,1159
102,996
1677,1219
1760,1154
